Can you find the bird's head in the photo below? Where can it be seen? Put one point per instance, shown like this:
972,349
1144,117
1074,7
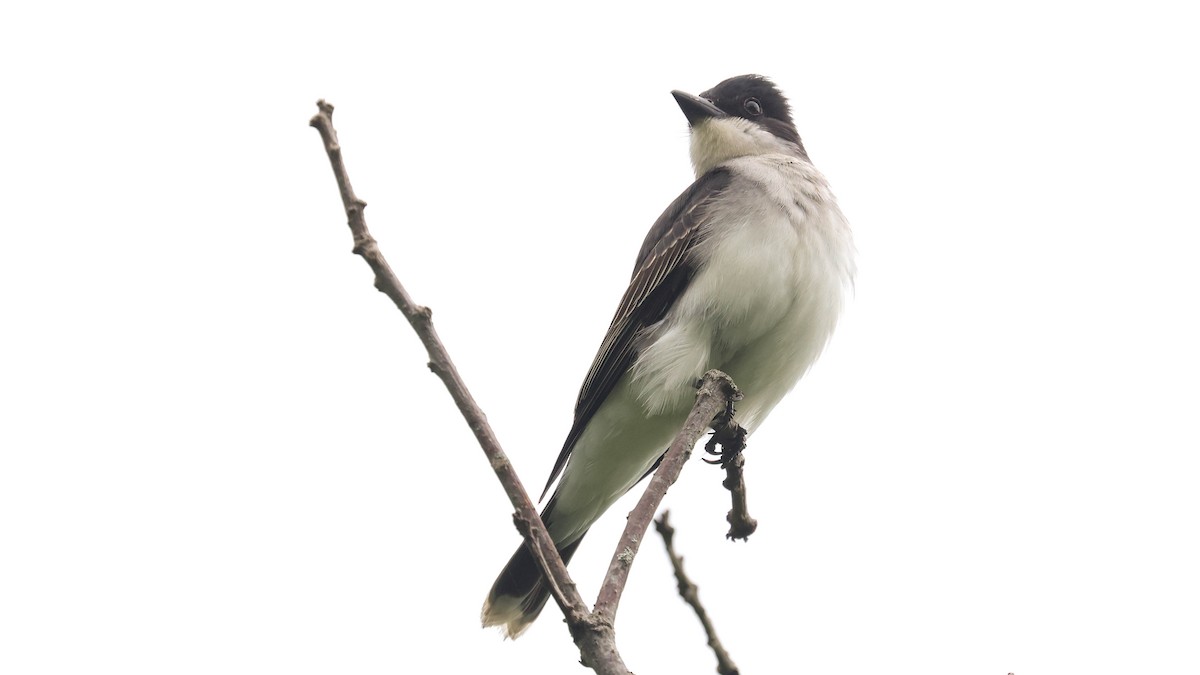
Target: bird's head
744,115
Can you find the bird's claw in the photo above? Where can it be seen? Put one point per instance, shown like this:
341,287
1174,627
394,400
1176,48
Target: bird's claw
730,436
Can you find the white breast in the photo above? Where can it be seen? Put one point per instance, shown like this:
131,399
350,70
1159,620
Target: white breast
779,260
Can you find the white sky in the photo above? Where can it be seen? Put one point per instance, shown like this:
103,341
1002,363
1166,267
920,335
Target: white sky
223,453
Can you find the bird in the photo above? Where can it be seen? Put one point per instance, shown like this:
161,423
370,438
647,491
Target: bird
746,271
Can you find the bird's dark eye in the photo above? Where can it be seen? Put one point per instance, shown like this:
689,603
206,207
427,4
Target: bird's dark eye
751,105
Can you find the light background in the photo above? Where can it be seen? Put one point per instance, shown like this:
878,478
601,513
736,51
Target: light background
223,453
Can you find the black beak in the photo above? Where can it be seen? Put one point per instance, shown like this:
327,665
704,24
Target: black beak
696,109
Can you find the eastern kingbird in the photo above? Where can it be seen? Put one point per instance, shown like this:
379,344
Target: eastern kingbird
746,271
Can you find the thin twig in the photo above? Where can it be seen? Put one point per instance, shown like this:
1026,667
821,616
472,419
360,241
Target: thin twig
741,525
691,595
530,524
714,398
731,457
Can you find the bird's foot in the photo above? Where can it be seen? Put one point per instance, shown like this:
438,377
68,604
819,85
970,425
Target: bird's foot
729,435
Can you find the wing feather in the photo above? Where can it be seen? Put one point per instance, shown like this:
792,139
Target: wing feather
663,270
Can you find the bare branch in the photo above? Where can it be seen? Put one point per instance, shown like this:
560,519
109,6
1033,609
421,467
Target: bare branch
690,594
741,525
528,521
732,439
714,399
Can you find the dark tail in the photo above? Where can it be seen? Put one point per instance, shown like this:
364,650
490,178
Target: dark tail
520,592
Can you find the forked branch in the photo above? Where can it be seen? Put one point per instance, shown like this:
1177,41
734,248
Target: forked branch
592,631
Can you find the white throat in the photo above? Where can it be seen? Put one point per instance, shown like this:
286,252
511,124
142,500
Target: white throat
718,140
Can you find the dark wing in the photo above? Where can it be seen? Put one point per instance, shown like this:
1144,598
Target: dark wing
660,276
